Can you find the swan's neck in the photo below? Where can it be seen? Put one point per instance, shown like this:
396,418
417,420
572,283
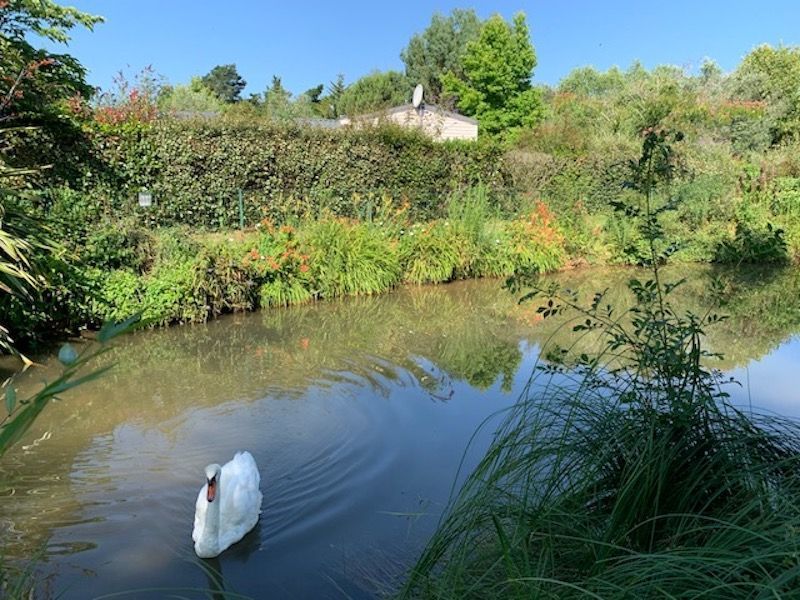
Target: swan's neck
211,529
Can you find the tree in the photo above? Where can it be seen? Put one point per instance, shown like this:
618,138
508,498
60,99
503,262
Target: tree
34,79
195,98
587,81
375,91
314,94
440,49
496,85
225,82
329,106
772,75
277,100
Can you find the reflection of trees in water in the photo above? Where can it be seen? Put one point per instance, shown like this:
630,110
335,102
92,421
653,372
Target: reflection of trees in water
468,331
760,304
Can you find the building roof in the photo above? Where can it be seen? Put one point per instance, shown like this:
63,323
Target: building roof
318,122
406,107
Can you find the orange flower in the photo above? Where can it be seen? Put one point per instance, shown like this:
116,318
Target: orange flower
304,268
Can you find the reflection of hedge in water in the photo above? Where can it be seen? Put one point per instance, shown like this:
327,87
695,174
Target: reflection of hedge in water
761,306
468,330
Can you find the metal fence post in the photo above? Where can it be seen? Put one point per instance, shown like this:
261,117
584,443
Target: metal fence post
241,210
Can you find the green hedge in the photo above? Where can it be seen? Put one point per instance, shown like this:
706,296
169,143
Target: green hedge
195,170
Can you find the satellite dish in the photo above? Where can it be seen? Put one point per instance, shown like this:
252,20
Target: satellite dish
417,97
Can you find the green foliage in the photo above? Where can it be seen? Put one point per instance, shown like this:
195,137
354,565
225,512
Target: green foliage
192,98
33,80
330,106
439,50
626,473
284,292
120,245
772,75
496,85
279,267
349,258
196,169
374,92
751,245
225,83
116,294
430,253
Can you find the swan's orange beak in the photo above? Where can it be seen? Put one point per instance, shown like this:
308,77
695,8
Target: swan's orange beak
212,489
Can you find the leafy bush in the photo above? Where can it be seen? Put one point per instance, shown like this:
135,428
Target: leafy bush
117,294
119,245
173,293
751,245
279,268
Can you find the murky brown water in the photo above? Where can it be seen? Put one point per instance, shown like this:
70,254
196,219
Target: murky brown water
357,412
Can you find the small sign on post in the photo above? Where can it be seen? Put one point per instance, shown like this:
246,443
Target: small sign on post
145,198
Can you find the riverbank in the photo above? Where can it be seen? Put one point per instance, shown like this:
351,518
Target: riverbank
175,275
119,267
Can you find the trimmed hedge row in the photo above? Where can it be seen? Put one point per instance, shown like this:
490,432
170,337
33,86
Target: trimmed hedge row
196,169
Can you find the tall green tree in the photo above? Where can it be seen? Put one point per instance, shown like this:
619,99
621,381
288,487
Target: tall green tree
278,100
314,94
329,105
225,82
496,86
440,49
376,91
194,97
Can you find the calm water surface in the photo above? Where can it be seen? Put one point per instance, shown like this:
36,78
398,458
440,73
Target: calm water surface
357,412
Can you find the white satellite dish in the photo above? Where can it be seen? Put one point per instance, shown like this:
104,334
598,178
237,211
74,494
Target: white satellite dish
417,97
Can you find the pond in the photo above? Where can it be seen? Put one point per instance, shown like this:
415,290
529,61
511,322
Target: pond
357,412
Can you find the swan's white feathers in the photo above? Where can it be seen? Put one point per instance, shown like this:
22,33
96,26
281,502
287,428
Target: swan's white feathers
240,500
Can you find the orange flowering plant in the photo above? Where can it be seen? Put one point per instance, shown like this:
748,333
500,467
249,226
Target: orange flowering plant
277,256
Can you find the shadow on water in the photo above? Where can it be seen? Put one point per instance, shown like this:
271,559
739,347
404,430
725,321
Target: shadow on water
357,413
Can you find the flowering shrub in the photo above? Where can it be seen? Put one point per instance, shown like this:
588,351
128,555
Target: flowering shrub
279,267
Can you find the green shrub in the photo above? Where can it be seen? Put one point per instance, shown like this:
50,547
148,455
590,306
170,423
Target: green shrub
173,293
196,170
284,292
116,295
754,245
227,283
118,245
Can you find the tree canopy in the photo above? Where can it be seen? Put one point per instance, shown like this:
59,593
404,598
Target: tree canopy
376,91
32,79
440,49
496,84
195,97
772,75
225,82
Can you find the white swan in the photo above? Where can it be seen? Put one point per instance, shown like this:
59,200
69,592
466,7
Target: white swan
227,506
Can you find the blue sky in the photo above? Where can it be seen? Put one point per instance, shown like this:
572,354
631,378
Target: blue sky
307,43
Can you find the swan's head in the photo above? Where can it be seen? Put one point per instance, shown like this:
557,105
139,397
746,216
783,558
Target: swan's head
212,478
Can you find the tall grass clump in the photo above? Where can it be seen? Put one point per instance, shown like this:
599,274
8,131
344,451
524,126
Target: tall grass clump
431,252
350,258
630,473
